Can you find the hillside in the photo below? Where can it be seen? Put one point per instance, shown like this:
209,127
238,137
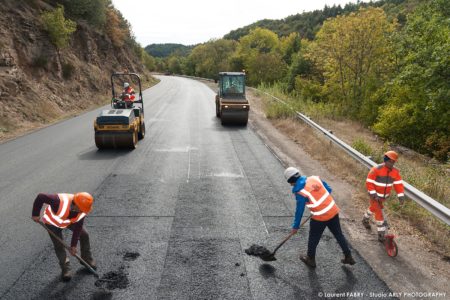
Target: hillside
38,85
307,24
165,50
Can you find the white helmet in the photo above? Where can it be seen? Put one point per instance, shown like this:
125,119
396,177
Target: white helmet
125,85
289,172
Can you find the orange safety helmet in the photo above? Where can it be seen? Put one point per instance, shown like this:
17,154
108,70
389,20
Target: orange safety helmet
392,155
84,201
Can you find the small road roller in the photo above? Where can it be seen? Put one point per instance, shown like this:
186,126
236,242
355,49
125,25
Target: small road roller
232,106
122,125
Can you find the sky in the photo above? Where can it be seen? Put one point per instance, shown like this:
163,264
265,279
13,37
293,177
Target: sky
191,22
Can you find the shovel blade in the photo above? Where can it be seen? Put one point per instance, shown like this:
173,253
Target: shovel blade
270,257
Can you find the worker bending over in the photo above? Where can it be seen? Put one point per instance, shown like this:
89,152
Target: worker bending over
66,211
315,194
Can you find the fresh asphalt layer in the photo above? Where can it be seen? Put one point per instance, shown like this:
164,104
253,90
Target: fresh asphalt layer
174,215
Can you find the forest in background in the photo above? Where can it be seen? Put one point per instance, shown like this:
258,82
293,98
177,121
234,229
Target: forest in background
385,64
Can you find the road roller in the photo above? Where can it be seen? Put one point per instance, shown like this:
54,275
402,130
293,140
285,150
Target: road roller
232,106
122,125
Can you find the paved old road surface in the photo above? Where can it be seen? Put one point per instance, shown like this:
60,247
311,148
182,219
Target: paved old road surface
174,215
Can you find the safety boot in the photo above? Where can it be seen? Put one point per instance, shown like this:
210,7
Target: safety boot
381,237
348,260
66,273
366,223
309,261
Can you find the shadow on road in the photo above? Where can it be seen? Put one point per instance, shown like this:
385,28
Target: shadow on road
104,154
56,289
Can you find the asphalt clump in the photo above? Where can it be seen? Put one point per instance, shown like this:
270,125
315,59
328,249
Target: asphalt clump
116,280
257,250
129,256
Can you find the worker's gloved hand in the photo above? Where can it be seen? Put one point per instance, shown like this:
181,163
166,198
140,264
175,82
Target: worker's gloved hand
73,251
294,231
36,219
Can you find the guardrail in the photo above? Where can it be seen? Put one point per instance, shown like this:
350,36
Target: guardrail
434,207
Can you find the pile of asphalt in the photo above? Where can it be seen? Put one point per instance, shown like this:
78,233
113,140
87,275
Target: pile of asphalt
257,250
116,280
129,256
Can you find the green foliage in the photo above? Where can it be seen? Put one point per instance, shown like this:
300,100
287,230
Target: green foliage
208,59
417,109
59,28
361,146
148,61
276,110
93,11
307,24
165,50
353,51
261,56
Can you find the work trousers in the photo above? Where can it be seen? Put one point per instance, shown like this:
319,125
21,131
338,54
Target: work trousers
316,229
85,246
376,208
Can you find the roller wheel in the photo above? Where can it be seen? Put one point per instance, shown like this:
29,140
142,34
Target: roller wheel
391,246
98,142
217,110
133,140
141,133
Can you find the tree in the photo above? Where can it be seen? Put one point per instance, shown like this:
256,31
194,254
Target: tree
260,53
417,109
59,28
210,58
354,53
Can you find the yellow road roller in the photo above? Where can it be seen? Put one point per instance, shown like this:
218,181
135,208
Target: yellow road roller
122,125
232,106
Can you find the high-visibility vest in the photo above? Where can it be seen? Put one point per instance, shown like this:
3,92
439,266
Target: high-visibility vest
60,218
381,179
321,203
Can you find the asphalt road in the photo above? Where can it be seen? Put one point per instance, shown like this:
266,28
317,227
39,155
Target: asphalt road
174,216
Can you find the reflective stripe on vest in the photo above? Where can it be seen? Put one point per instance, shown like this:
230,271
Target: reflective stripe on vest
322,205
60,219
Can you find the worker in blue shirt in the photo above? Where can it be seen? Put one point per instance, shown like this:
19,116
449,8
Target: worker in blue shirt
315,194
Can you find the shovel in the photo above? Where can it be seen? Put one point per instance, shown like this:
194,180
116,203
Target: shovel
265,254
271,256
82,261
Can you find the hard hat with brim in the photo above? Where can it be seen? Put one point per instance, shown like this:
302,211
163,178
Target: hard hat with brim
84,201
392,155
291,173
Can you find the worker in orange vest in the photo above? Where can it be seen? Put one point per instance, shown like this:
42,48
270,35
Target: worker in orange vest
66,211
128,94
315,194
379,183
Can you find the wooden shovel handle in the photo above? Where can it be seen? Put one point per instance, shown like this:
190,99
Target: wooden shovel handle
289,236
68,248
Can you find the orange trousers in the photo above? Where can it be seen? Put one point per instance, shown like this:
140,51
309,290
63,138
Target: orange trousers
376,208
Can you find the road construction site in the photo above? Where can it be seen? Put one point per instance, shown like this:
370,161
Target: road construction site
172,218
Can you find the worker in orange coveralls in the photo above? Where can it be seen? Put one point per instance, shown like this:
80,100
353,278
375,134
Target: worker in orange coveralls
379,183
